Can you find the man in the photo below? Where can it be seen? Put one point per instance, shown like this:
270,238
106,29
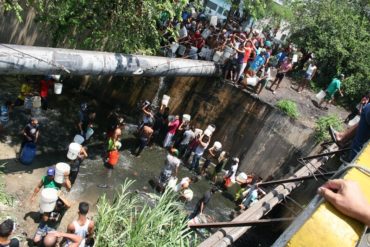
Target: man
30,133
4,114
49,182
222,161
82,227
333,87
211,155
231,174
172,127
199,150
285,67
202,203
44,90
171,168
51,239
188,136
75,164
6,229
144,137
309,74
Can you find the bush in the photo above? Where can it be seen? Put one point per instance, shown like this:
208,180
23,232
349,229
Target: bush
130,220
322,125
289,107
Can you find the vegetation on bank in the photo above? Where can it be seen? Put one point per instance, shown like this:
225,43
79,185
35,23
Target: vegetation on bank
288,107
133,220
322,125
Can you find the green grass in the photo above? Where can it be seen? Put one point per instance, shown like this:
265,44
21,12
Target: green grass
129,220
322,125
288,107
5,199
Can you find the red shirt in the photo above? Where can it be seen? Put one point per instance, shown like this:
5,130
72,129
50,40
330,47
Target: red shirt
44,88
172,127
247,54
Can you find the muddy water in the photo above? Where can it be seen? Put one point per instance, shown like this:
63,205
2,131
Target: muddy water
57,128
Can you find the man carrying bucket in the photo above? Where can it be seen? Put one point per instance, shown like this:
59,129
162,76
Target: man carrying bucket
30,133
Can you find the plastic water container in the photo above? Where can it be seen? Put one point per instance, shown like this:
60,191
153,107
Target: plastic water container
183,32
206,32
242,177
227,52
56,77
78,139
165,99
118,144
211,127
321,95
174,47
181,50
73,150
188,194
58,88
186,118
213,21
198,132
208,132
113,157
49,197
217,145
28,153
217,56
295,58
252,81
27,103
36,101
172,183
60,170
89,133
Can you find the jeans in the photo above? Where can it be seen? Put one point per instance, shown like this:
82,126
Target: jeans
168,140
142,143
362,133
195,162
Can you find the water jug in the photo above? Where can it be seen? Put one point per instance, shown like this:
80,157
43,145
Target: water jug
113,157
60,170
165,100
89,133
36,101
58,88
49,197
78,139
28,153
73,150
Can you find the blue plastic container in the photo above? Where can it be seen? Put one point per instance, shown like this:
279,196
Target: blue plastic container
28,153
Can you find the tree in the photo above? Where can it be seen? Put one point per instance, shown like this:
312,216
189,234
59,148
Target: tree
338,34
11,6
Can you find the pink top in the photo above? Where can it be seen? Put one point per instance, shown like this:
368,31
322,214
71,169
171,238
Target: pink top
172,127
285,66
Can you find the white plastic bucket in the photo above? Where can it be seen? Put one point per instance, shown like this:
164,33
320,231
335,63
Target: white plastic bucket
217,145
208,132
354,121
55,77
211,127
213,21
321,95
252,81
172,183
295,58
174,47
49,197
198,132
188,194
227,52
58,88
89,133
186,118
60,170
78,139
217,56
242,177
181,50
73,150
36,101
165,99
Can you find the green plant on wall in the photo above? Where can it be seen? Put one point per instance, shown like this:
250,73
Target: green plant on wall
322,125
289,107
130,220
7,6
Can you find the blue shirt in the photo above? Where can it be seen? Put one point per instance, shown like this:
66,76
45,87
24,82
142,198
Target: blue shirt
258,62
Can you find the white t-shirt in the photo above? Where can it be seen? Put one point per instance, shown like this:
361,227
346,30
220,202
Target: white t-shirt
189,135
200,149
172,162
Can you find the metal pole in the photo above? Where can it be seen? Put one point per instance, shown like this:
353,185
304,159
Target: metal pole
324,154
238,224
288,180
18,59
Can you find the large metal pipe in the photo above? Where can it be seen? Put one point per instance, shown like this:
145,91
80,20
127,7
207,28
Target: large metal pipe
17,59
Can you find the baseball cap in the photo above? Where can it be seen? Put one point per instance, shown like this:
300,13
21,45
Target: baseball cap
51,171
175,152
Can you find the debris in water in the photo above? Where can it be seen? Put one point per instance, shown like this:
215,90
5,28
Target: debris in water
105,186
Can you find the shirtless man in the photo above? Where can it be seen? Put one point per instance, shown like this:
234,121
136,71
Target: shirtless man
145,135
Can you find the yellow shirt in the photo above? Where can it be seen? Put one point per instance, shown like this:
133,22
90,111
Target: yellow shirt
25,89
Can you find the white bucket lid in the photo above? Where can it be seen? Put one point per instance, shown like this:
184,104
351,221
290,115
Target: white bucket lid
217,145
62,167
49,195
208,132
242,177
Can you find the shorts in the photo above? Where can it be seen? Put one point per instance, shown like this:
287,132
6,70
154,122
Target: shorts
328,96
280,76
43,230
